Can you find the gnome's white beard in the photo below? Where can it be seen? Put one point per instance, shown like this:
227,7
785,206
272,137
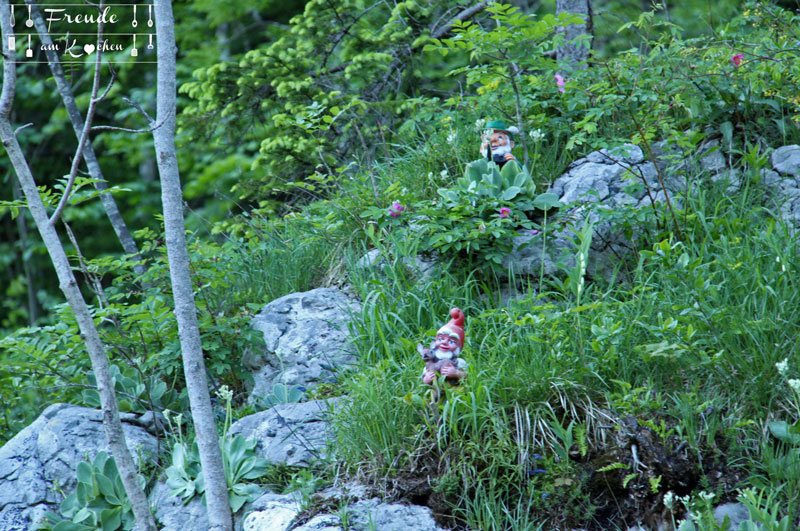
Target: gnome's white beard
502,150
445,354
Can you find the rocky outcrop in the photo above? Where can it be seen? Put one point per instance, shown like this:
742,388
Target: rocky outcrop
606,180
39,463
783,184
423,267
290,434
786,160
174,515
306,340
275,512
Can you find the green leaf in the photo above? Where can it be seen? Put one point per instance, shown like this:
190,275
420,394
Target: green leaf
105,485
785,432
84,472
111,519
546,201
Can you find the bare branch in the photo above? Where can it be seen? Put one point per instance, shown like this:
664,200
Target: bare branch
461,17
87,126
126,130
138,108
20,128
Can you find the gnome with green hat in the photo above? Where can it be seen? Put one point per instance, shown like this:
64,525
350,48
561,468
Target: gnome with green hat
498,141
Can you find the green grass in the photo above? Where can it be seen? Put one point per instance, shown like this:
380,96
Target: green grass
688,347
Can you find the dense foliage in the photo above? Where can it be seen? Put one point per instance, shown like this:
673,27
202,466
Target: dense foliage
310,136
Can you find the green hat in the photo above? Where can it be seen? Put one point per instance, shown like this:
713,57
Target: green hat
500,125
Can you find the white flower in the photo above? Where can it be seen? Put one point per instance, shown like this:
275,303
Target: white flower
451,137
782,366
479,123
443,173
669,500
795,385
225,393
707,496
536,135
778,259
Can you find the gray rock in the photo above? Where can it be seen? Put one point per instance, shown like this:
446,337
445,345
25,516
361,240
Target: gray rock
736,513
786,160
533,254
40,461
783,185
421,266
711,158
173,515
365,515
292,434
322,522
271,512
605,180
374,514
306,340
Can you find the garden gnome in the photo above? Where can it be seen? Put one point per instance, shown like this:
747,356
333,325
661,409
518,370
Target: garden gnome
498,141
442,356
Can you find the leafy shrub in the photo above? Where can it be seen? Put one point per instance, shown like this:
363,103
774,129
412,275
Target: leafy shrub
511,183
239,460
185,476
133,394
99,501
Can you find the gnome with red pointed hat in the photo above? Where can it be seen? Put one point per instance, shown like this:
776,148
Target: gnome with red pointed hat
442,356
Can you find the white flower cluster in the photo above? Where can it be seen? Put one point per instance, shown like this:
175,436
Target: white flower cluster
782,366
225,393
795,385
783,267
536,135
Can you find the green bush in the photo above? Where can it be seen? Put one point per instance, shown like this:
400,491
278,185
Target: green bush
99,501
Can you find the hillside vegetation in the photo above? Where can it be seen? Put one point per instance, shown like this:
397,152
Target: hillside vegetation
687,353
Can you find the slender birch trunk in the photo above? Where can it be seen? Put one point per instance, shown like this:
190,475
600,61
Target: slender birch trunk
109,204
219,511
575,54
69,286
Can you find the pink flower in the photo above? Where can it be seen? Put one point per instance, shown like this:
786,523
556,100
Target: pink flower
395,209
534,232
560,82
504,212
736,60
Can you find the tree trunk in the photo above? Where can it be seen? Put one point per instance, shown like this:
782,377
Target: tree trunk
217,506
575,54
69,286
22,229
109,204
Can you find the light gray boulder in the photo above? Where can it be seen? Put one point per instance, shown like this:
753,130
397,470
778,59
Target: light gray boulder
786,160
173,515
276,512
306,340
291,434
39,463
783,184
603,180
271,512
712,159
423,267
375,514
736,513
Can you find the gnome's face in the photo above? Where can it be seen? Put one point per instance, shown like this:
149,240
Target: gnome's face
445,346
500,143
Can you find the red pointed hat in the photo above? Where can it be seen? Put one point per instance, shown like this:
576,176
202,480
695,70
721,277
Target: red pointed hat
454,328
